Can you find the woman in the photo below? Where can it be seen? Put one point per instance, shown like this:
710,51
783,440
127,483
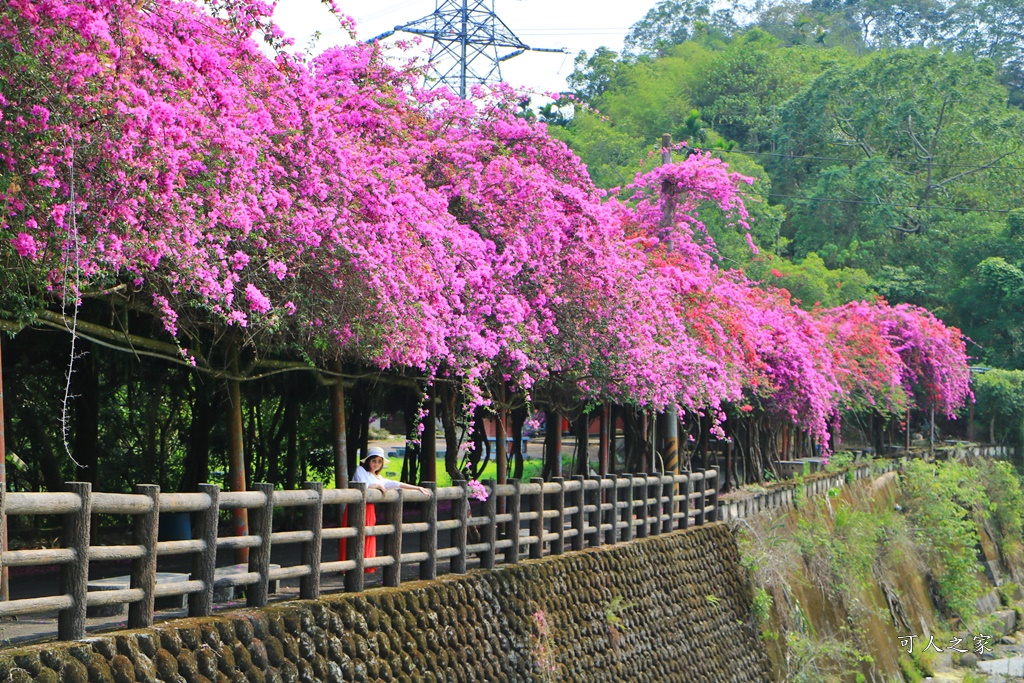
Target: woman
368,473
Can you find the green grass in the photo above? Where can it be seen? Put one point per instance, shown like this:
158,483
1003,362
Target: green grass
531,468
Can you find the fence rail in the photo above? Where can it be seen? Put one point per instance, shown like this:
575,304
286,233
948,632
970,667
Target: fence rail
517,520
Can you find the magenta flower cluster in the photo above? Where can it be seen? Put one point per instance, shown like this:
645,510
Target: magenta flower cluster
477,491
330,205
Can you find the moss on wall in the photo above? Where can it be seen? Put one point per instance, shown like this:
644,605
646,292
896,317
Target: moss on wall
670,608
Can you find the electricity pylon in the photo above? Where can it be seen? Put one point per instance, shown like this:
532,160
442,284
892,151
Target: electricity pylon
467,36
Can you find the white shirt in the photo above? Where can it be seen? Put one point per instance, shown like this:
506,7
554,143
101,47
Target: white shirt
364,476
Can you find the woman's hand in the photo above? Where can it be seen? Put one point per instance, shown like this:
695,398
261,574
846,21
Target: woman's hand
380,487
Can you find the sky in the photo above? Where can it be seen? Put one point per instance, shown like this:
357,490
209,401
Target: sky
572,24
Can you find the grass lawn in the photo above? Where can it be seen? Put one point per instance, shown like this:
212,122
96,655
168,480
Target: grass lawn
531,468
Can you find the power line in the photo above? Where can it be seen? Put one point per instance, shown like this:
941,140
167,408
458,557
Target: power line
897,206
893,162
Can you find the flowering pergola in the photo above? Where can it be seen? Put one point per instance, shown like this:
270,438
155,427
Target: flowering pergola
314,212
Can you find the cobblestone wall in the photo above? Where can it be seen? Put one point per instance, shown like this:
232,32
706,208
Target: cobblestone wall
669,608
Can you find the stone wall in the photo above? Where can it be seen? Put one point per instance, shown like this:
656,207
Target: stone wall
669,608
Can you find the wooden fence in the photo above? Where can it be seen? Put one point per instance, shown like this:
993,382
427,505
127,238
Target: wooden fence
785,493
516,520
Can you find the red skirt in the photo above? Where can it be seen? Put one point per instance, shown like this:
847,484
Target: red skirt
370,547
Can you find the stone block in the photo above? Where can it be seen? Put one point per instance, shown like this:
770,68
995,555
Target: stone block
1005,621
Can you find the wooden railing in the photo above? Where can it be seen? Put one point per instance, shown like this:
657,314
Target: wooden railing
516,520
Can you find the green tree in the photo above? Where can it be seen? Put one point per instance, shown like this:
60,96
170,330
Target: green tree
1000,404
811,282
593,74
874,152
989,303
673,22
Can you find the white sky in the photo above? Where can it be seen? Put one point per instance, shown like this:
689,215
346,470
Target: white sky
573,24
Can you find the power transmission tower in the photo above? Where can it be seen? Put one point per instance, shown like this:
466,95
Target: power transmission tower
467,36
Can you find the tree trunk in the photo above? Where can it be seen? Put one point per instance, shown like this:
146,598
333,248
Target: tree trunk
338,440
582,429
428,443
236,463
205,413
447,405
500,444
358,424
519,416
413,439
552,445
480,453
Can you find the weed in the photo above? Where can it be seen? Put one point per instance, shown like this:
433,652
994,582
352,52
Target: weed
761,606
614,621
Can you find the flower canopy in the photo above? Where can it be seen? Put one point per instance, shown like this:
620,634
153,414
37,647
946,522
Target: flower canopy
153,150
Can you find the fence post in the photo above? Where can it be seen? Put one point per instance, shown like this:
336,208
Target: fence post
593,518
701,515
687,488
393,573
460,533
74,576
578,518
628,536
145,530
612,535
490,530
558,546
537,524
512,530
313,521
593,499
644,510
714,495
355,577
668,504
428,568
658,510
204,563
261,524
